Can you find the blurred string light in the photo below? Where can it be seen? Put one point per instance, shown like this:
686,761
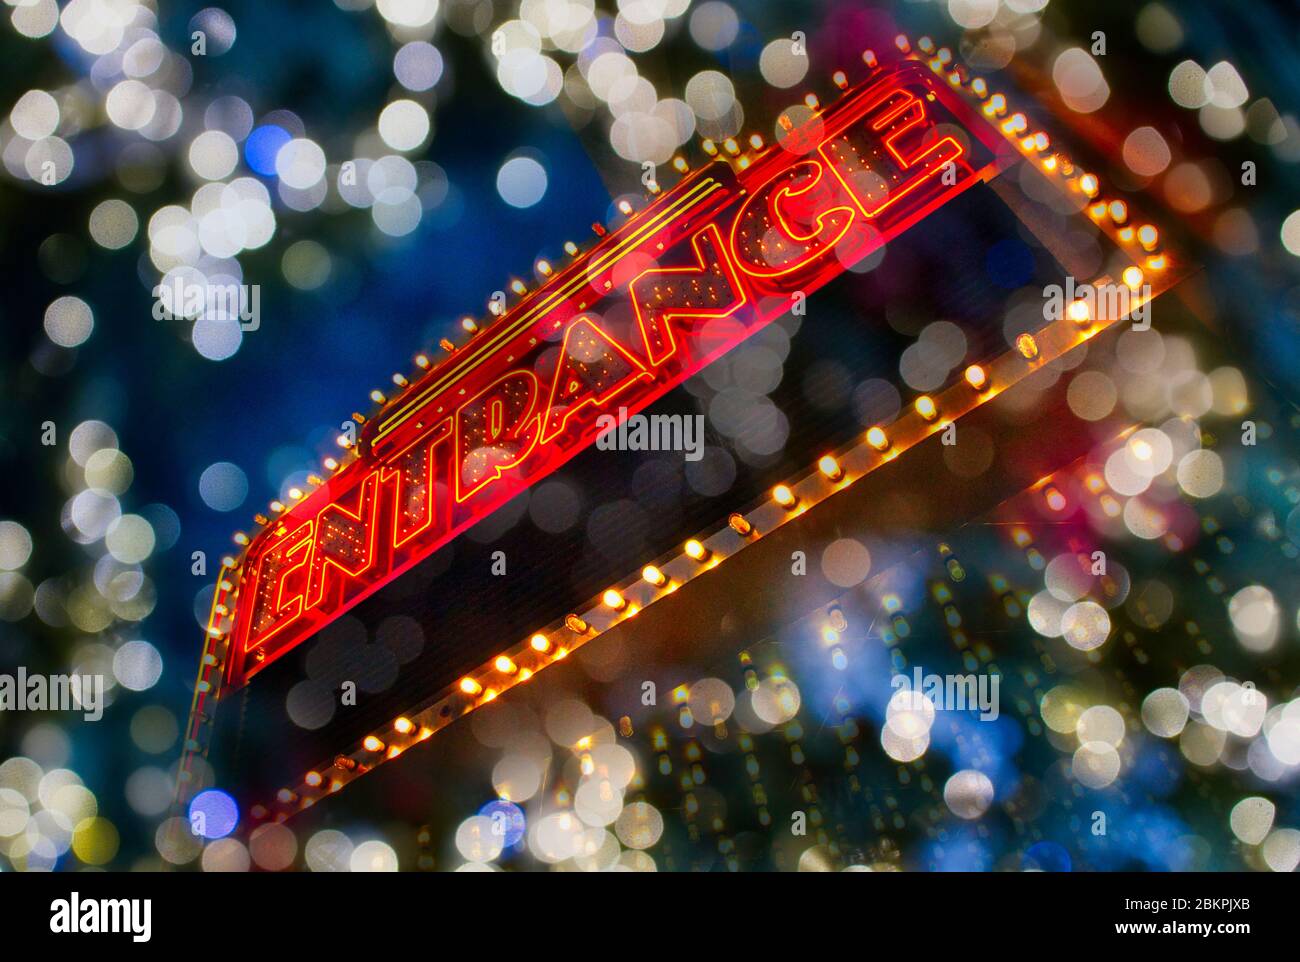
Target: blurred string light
1079,81
1142,473
521,181
47,814
643,124
1204,708
586,820
47,817
143,88
1217,92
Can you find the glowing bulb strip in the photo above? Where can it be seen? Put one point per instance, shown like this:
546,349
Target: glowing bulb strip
207,685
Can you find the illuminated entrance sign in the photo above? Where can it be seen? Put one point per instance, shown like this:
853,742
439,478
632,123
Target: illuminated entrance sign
719,256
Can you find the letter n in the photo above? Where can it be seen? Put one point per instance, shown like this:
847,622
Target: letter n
345,538
414,476
709,289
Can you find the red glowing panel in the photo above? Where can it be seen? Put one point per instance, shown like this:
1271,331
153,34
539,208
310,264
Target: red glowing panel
711,261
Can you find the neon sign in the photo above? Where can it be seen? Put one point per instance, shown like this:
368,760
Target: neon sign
712,260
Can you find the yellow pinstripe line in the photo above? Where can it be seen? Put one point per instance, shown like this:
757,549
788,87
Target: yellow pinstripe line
697,193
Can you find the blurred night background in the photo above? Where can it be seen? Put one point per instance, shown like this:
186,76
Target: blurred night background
377,168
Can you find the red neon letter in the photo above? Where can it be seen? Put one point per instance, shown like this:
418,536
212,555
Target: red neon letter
495,430
591,369
414,475
791,221
707,290
272,608
345,539
870,166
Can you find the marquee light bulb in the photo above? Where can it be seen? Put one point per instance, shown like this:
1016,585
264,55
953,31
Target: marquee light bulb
740,525
830,468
